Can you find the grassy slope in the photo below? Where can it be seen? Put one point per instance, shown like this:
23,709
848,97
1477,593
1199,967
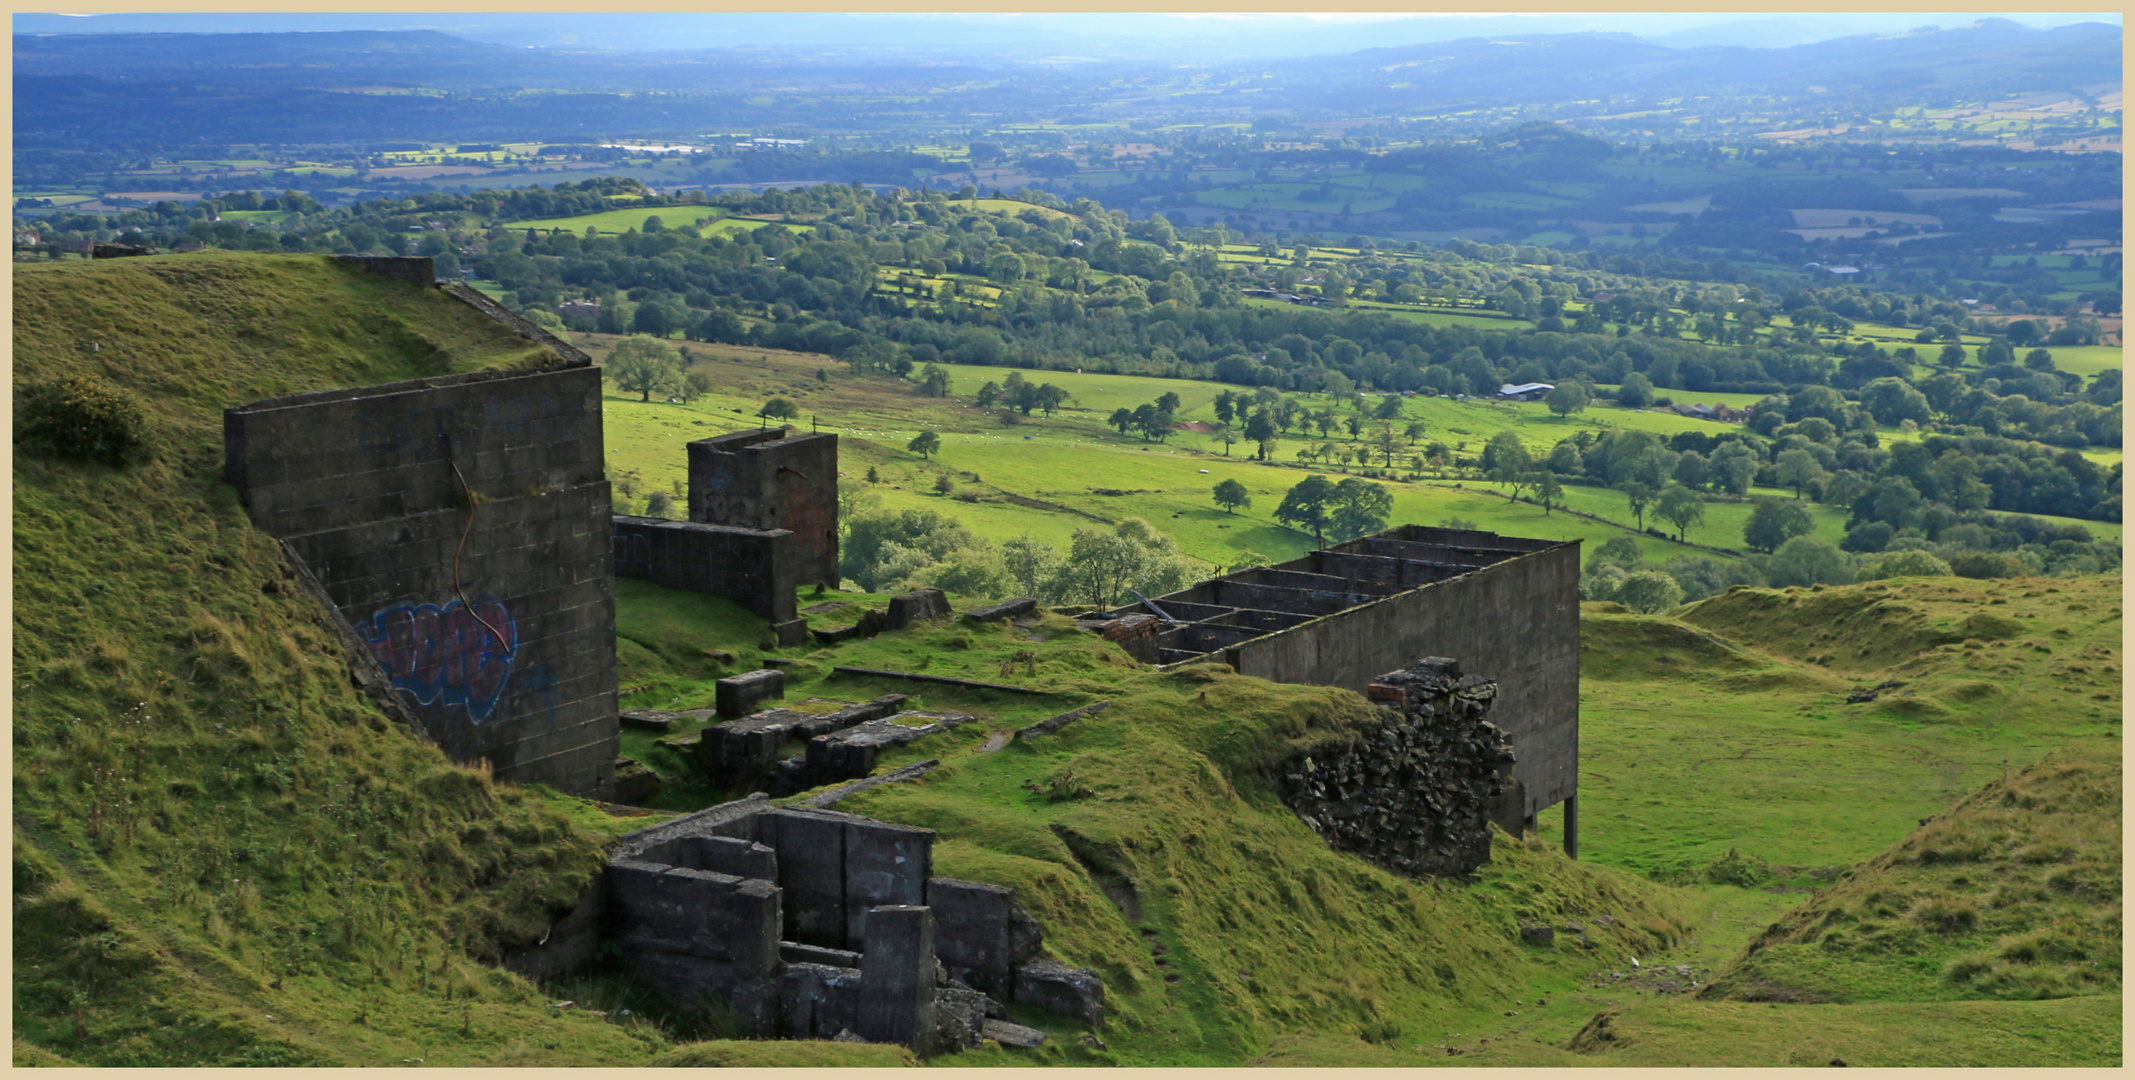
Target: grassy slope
1809,787
222,855
1151,822
1926,951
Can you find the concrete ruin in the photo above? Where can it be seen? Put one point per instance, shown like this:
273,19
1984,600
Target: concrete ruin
458,527
815,924
1507,606
763,523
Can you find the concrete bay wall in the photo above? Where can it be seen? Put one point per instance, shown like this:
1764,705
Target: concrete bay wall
1515,622
493,615
756,568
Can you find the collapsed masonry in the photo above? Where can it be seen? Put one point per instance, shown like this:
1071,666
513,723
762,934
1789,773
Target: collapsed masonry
1339,616
1412,791
815,924
763,523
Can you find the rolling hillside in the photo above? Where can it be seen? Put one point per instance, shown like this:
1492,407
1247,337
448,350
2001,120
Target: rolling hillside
224,856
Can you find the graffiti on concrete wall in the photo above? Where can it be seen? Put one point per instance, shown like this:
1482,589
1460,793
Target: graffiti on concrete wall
450,655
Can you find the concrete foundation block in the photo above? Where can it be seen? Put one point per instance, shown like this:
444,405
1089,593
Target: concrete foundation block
850,754
790,633
634,783
1012,1035
917,606
897,969
1006,609
1056,987
739,695
959,1018
981,933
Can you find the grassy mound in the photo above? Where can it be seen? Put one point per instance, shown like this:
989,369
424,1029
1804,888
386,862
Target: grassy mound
222,854
1728,727
2014,893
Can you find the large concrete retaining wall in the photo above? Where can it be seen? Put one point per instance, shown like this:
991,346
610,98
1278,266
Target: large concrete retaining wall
758,569
1508,607
780,478
493,616
1516,622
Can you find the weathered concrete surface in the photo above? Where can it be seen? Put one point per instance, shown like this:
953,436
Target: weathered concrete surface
758,569
1056,987
746,749
851,753
776,479
897,977
738,695
917,606
492,615
1012,1035
1006,609
981,933
1508,607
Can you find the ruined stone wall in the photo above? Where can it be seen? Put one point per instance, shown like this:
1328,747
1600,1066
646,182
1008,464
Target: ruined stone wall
493,615
1414,790
776,479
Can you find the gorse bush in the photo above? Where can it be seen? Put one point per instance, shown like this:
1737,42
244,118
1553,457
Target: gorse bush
83,419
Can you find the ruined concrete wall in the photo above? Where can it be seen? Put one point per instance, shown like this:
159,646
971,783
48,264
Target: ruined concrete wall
776,479
1516,622
862,938
493,617
758,569
1412,791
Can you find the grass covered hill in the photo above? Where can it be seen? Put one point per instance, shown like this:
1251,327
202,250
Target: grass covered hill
224,856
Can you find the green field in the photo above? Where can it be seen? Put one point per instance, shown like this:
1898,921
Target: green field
709,220
2086,360
1037,476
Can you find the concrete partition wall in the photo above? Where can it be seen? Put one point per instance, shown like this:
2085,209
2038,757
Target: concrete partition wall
494,616
758,569
1515,621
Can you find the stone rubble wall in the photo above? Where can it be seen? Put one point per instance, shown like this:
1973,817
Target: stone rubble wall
1415,789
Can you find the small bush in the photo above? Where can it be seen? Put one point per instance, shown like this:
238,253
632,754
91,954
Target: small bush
1904,564
1649,592
82,419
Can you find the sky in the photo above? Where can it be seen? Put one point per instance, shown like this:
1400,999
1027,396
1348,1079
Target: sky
1194,35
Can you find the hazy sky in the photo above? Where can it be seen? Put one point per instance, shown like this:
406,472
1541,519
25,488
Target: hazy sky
1207,35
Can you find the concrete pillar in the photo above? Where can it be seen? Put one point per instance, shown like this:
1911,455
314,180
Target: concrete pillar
1571,826
897,976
